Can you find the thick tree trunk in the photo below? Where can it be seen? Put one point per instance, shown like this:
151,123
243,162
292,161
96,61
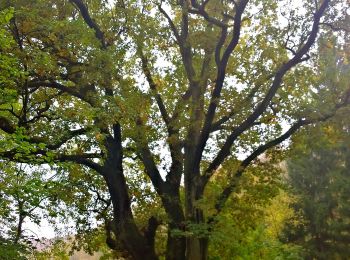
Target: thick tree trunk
127,232
197,248
176,245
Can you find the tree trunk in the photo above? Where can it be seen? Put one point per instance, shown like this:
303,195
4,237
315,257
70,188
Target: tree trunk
197,248
176,245
21,218
127,232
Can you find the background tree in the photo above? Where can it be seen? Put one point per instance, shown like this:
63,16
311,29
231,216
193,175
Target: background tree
173,90
318,168
319,173
255,216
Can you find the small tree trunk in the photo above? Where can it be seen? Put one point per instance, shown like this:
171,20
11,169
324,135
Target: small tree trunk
19,225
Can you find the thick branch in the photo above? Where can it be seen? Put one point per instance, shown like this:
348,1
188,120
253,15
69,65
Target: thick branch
154,88
263,148
6,125
185,47
89,21
84,159
219,46
260,109
220,80
148,160
56,85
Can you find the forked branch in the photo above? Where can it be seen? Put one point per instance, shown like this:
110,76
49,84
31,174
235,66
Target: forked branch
260,109
263,148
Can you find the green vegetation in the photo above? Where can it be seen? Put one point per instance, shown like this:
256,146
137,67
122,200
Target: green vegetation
319,174
158,127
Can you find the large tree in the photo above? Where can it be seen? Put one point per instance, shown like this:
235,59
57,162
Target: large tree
176,90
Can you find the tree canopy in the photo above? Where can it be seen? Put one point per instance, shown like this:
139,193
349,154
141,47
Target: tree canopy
139,106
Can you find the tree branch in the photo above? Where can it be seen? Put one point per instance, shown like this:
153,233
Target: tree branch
89,21
173,133
200,10
260,109
148,161
221,73
218,124
263,148
84,159
336,28
151,229
6,125
154,88
56,85
171,24
67,137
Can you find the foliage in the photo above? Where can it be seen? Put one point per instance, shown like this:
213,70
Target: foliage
253,221
136,107
318,167
59,250
319,173
8,63
10,250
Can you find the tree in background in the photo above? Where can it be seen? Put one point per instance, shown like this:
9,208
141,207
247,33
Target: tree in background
319,173
165,91
255,216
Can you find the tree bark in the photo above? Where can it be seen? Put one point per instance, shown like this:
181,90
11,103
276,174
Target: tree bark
197,246
21,218
176,245
127,231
